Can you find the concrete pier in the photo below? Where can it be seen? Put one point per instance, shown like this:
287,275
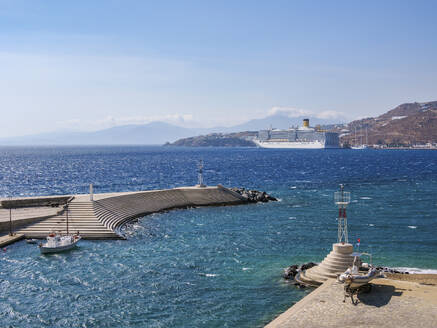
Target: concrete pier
391,303
7,239
102,217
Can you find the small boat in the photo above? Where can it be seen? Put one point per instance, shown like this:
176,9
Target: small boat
359,147
57,243
353,280
32,241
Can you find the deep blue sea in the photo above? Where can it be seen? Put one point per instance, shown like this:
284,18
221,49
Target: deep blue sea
210,267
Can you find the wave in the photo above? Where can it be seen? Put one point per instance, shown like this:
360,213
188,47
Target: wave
416,270
208,274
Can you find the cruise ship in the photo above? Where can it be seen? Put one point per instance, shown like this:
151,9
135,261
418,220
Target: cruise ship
304,137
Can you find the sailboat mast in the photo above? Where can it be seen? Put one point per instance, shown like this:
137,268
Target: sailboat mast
367,141
355,139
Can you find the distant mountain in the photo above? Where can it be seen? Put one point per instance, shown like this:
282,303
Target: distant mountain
155,133
407,124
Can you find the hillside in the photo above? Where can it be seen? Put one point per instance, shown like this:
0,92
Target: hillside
217,140
407,124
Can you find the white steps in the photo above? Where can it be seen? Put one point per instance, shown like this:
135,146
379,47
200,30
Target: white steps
81,218
334,263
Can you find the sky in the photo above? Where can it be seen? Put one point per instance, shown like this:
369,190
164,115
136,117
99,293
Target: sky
89,65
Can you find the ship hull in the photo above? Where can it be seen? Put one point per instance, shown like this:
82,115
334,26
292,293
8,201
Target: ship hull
292,145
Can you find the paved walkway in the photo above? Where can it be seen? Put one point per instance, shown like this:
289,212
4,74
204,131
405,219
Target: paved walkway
391,303
27,212
6,239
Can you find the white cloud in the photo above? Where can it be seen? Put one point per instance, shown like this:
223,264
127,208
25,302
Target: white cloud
330,114
297,112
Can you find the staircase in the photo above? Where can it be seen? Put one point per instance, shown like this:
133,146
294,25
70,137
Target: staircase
336,262
81,218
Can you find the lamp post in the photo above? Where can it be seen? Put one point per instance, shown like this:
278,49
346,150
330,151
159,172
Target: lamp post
200,175
10,220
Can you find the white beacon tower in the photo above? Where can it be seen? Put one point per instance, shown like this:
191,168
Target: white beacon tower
342,199
341,256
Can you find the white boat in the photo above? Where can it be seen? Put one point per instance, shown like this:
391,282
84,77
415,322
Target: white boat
359,147
57,243
353,279
354,282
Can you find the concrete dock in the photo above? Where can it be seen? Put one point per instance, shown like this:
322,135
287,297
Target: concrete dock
102,217
391,303
7,239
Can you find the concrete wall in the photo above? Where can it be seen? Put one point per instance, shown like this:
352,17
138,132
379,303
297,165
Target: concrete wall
116,211
35,201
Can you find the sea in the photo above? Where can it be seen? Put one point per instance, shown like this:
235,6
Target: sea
210,266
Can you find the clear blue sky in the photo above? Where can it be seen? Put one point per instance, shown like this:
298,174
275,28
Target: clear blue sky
94,64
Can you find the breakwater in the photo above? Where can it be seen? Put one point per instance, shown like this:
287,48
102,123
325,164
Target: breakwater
101,216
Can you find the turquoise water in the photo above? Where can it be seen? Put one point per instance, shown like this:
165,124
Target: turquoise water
210,267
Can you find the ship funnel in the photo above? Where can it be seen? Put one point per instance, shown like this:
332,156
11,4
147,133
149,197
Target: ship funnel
306,123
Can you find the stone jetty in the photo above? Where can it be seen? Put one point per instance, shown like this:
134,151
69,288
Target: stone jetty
104,215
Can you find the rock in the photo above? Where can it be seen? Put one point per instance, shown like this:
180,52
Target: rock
290,272
306,266
254,196
271,198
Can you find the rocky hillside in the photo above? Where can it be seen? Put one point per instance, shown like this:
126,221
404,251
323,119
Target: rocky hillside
217,140
407,124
